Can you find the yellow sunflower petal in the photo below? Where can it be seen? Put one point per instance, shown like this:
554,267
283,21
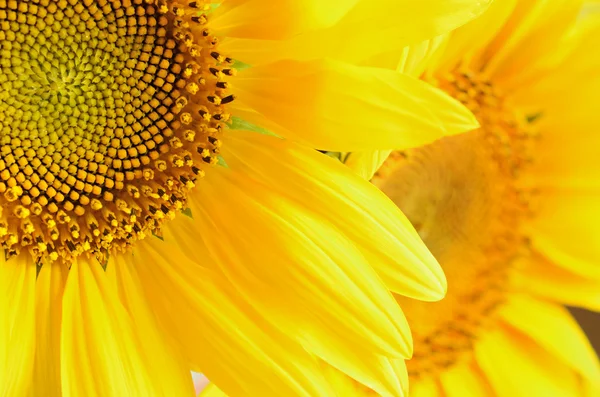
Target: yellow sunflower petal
345,385
293,266
265,19
49,286
567,231
539,276
371,27
164,363
554,329
568,160
315,336
388,24
339,107
401,370
386,377
212,391
566,154
17,325
375,225
415,58
366,163
426,387
574,60
516,366
104,347
412,61
386,60
471,38
590,389
221,334
576,71
464,379
76,349
528,36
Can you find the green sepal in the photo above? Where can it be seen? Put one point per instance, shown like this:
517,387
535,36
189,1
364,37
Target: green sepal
187,212
237,123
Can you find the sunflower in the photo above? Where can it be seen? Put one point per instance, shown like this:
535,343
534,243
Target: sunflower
145,233
511,210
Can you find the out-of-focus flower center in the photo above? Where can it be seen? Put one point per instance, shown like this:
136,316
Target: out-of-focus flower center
109,111
462,194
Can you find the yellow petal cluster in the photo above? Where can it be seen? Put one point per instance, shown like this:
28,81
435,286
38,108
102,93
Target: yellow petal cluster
145,235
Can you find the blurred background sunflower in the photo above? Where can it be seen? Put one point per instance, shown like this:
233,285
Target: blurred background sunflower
511,210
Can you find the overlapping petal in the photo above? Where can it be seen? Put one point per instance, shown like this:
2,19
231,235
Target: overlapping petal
265,19
134,356
335,106
542,278
464,379
17,325
366,163
548,323
379,230
426,387
371,27
222,335
49,289
566,231
305,264
500,351
466,43
528,39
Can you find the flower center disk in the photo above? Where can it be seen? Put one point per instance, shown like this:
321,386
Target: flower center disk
464,197
109,113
